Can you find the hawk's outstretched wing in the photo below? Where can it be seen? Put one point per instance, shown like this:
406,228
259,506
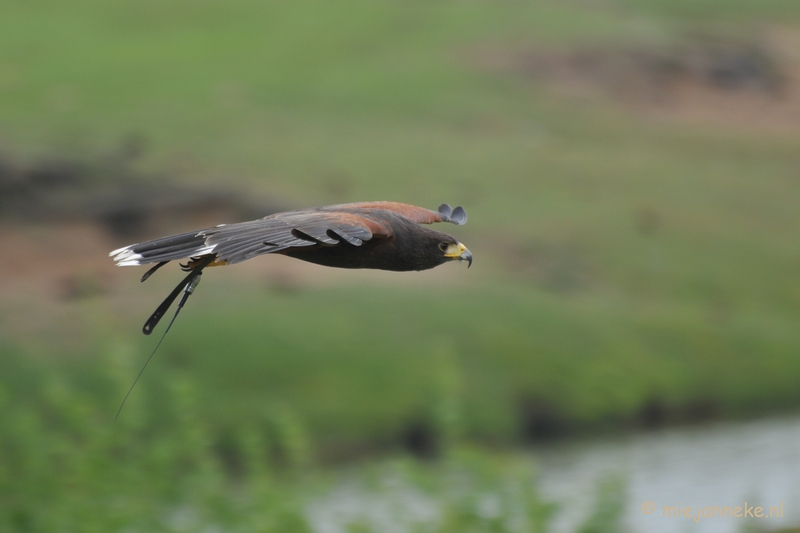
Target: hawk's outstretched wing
331,225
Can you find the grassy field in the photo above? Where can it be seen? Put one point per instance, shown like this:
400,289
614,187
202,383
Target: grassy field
632,267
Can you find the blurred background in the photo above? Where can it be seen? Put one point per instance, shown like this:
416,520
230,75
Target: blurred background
628,333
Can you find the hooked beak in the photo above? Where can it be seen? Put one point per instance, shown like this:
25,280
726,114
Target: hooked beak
466,256
462,254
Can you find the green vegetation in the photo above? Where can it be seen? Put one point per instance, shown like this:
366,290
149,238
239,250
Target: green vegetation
628,271
162,467
412,353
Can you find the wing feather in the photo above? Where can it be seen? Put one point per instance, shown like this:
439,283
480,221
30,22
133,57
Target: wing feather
234,243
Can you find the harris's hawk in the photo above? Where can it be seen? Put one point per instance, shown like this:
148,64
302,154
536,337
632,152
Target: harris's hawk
379,235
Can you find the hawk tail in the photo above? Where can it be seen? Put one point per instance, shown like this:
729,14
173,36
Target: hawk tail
162,250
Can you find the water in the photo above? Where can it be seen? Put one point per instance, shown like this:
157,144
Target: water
719,465
742,465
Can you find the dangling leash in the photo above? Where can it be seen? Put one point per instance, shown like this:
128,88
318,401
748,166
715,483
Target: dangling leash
187,286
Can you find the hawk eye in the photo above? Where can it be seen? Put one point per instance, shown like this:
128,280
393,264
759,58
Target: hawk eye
445,246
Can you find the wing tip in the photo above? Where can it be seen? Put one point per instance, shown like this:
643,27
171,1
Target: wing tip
457,216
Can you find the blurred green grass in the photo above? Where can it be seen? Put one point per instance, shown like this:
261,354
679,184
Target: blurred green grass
657,256
621,263
362,364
